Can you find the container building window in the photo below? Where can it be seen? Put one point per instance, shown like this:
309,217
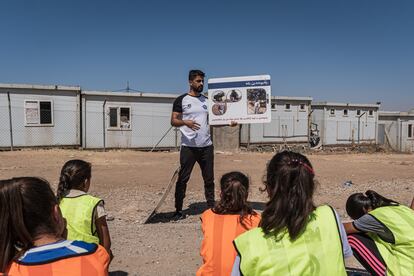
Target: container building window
119,118
38,113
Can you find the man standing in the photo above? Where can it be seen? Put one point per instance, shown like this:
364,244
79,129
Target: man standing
190,114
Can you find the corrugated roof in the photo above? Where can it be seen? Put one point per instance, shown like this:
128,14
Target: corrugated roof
321,104
396,114
289,98
129,94
39,87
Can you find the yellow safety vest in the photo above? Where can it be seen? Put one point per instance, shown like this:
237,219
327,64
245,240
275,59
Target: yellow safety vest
399,256
317,251
79,212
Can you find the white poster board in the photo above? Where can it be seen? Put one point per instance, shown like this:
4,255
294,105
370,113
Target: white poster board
245,100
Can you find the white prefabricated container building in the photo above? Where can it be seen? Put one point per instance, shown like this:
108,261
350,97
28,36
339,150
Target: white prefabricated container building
345,123
127,120
290,123
396,129
39,115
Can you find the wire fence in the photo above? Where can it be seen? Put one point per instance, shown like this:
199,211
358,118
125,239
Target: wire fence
68,121
61,122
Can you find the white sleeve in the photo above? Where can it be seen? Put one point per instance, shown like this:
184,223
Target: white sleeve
100,210
346,248
236,267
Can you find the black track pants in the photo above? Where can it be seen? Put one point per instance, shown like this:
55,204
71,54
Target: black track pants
188,157
367,253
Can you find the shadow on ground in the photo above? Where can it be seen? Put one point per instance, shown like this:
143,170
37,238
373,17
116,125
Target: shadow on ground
194,209
118,273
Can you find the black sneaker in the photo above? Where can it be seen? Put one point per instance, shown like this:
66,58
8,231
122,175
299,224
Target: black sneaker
178,215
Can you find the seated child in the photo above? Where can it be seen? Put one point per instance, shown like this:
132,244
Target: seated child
381,235
231,217
295,237
85,214
32,239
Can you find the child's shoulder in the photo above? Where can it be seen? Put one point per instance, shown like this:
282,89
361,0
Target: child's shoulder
207,212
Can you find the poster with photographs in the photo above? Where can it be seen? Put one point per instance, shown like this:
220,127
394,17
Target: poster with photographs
245,100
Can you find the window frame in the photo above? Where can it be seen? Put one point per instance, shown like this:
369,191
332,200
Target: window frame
358,112
286,107
369,113
118,119
332,112
410,131
39,124
302,109
345,112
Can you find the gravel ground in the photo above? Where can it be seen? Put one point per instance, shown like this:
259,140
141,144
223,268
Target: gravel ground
132,182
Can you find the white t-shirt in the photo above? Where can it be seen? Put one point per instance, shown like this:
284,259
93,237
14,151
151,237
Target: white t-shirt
194,108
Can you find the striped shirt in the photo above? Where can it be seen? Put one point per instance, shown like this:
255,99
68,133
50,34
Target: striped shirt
62,258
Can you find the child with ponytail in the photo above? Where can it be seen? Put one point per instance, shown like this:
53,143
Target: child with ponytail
231,217
381,234
295,236
85,214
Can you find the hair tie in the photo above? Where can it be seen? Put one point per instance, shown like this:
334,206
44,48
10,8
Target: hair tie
308,168
301,163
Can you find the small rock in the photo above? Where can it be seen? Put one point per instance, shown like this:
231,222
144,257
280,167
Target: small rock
347,183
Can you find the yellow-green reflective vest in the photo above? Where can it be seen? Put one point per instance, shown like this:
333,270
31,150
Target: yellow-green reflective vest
79,212
317,251
399,257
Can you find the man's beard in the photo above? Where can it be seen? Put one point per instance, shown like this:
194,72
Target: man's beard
199,89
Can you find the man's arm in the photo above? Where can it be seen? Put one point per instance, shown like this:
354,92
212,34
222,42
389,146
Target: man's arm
232,124
177,121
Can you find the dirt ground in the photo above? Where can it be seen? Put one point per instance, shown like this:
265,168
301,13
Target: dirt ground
132,182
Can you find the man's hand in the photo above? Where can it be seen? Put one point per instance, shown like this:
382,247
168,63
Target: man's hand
233,123
192,124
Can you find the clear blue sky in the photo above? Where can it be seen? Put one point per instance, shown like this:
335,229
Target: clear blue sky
359,51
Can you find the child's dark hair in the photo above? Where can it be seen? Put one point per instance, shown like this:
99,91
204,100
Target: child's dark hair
358,204
290,186
26,207
194,73
234,192
72,176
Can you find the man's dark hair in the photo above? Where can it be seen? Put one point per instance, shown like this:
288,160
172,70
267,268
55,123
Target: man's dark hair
194,73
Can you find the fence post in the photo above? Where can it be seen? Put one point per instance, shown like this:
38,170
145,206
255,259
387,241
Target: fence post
103,129
359,126
176,138
10,122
